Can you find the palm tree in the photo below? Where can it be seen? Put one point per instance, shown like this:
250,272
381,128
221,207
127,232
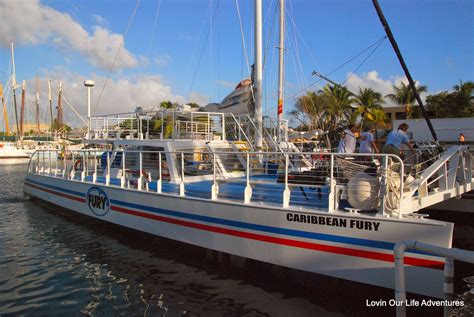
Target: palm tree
369,106
337,105
404,96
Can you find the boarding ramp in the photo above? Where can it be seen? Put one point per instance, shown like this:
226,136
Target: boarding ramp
448,176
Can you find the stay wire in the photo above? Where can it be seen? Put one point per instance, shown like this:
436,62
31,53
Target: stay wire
130,20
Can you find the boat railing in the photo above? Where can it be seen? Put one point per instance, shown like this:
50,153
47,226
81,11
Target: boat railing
337,182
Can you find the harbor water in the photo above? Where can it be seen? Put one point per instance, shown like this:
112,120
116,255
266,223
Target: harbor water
57,263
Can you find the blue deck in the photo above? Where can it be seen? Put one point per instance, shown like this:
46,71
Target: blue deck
267,190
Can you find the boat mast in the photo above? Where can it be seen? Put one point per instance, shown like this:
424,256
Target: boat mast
37,106
5,115
14,92
59,114
281,67
389,33
258,74
50,98
22,111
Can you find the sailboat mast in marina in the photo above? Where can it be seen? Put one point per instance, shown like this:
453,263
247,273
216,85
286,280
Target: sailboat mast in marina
5,114
22,111
258,73
14,92
281,67
37,107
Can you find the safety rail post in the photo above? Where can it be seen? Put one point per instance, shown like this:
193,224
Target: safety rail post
56,167
181,184
49,163
383,185
43,163
107,172
72,173
64,165
122,176
450,254
215,186
37,162
140,166
248,188
94,175
286,192
159,181
402,175
223,127
86,163
332,187
83,172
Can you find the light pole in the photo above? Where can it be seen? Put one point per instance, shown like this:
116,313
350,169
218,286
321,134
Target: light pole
89,84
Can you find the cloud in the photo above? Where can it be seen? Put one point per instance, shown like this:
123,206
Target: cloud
185,36
373,80
163,60
120,95
45,25
99,20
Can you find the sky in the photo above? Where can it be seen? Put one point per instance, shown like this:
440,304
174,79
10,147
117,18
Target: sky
143,52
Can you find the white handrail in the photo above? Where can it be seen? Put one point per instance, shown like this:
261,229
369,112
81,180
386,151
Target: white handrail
449,253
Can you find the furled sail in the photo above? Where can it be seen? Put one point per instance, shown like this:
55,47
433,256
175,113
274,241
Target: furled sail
239,101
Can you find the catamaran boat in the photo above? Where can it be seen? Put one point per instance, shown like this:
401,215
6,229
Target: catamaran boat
226,182
197,178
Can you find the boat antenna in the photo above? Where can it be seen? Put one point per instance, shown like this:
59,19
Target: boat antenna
388,31
281,68
258,73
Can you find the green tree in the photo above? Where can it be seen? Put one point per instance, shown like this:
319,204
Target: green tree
404,96
369,107
454,104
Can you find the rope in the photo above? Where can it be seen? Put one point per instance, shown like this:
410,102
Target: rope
152,38
118,52
242,36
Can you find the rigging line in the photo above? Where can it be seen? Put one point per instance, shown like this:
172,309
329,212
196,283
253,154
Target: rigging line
343,64
298,32
130,20
70,105
361,63
272,28
199,63
243,37
378,43
150,46
203,21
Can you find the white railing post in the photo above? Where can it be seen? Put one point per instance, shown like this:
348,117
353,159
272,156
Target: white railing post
181,184
383,185
332,189
122,176
56,167
72,173
140,178
107,172
248,188
215,186
37,162
159,181
49,164
402,176
43,164
286,192
64,165
94,175
83,172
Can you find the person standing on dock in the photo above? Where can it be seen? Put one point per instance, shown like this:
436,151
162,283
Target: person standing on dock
348,141
367,143
396,139
462,138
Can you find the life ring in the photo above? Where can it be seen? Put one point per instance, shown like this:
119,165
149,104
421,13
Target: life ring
77,165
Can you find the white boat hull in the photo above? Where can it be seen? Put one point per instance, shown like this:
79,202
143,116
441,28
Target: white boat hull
343,245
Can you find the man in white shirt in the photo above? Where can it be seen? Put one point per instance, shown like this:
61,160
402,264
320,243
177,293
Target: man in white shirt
367,143
347,143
